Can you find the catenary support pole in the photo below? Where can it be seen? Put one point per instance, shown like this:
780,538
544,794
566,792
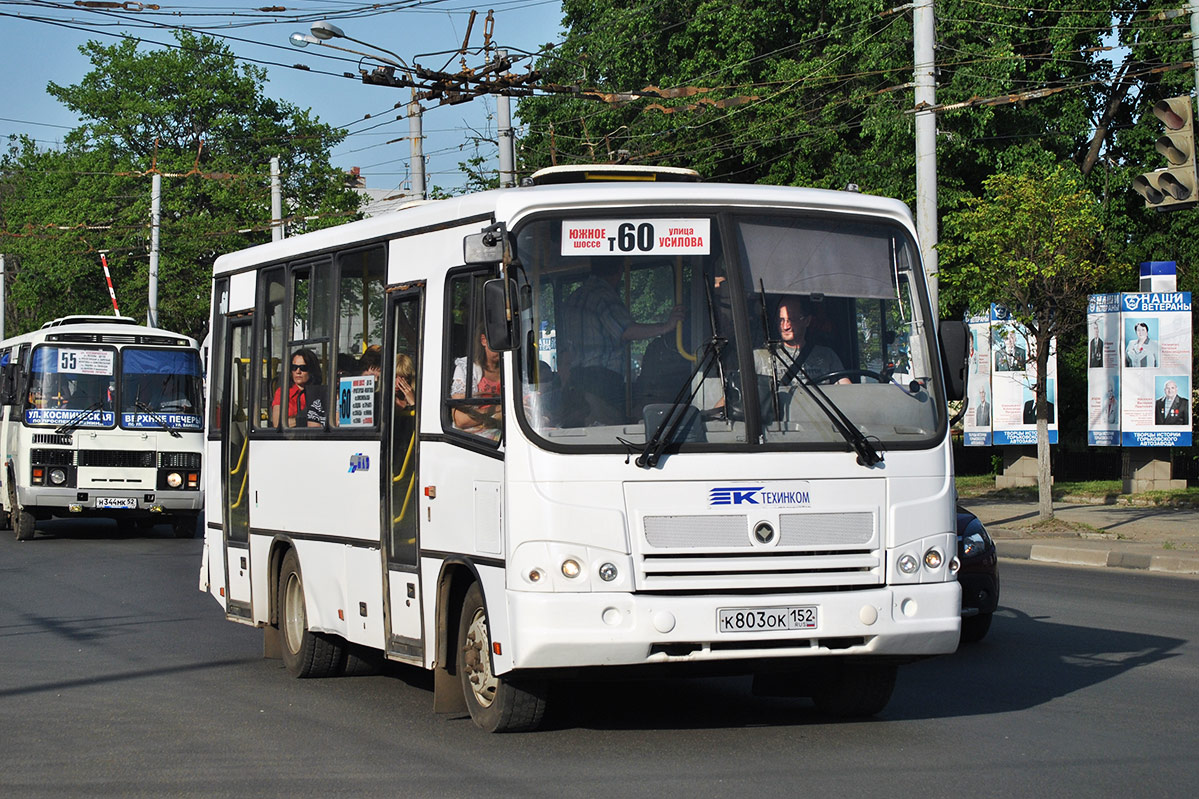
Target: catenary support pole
507,141
276,201
3,277
155,218
418,147
924,33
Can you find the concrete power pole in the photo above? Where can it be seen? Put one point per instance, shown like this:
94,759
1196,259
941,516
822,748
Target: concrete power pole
507,141
276,201
924,35
418,147
3,276
155,217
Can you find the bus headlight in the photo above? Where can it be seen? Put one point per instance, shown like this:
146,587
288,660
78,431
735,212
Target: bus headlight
933,559
58,477
608,572
174,479
908,564
571,568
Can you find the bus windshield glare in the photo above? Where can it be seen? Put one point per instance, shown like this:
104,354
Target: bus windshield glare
633,313
71,384
161,387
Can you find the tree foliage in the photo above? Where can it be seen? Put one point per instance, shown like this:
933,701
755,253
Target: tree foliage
1032,244
192,114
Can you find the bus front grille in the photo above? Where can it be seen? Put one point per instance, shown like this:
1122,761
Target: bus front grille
117,458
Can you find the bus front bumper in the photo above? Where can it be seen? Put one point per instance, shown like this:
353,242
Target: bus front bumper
562,630
109,501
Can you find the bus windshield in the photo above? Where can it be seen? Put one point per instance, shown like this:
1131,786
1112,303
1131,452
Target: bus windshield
71,384
161,388
730,322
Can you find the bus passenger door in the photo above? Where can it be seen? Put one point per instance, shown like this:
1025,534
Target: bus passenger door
235,468
401,524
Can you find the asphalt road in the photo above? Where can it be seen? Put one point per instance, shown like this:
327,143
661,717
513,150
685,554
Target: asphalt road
118,677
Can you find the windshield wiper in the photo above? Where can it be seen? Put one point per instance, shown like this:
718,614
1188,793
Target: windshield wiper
664,432
868,455
144,408
67,427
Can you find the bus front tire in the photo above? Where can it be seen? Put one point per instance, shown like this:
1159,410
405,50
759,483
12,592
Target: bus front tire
496,704
305,653
22,523
856,690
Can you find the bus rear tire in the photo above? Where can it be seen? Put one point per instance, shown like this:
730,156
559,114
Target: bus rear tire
496,704
305,653
856,690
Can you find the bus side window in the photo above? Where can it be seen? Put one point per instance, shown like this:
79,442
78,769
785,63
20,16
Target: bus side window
271,347
473,368
309,345
358,379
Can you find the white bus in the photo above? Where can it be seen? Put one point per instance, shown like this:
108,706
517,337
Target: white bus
508,437
102,417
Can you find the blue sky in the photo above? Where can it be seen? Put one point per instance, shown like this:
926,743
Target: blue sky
39,44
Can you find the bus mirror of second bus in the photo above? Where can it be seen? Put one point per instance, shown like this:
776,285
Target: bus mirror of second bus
500,315
952,334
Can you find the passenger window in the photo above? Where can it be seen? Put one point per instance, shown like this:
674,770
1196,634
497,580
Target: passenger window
473,385
308,349
358,377
272,369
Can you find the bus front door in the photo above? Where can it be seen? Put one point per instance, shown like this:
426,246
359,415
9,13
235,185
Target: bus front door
401,525
235,468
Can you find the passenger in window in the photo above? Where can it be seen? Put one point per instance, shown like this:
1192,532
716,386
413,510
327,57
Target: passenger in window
304,377
405,394
794,318
596,328
481,420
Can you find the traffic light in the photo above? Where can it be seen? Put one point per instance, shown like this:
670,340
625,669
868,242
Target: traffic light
1175,186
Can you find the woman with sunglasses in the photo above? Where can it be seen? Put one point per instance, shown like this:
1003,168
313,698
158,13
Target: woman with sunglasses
305,374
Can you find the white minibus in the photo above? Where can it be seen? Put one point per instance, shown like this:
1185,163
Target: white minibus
615,422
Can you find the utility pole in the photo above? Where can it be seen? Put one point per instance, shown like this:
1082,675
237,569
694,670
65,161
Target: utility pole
155,216
1193,7
924,34
3,276
418,147
506,139
276,201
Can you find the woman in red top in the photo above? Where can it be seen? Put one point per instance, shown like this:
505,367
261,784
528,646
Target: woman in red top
305,372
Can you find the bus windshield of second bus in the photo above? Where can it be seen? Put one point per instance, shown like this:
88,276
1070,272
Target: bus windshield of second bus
78,385
793,299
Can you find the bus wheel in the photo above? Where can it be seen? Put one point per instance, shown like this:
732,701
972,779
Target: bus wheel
22,523
856,690
497,704
305,653
184,526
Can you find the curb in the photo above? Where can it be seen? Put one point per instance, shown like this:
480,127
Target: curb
1170,563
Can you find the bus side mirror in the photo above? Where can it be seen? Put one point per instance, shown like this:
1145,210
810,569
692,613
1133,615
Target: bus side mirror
500,329
8,384
486,247
952,335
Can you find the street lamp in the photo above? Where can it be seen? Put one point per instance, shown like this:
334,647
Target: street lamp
323,31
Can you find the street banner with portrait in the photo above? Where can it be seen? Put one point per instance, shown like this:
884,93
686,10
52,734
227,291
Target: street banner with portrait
1105,352
976,424
1013,378
1155,383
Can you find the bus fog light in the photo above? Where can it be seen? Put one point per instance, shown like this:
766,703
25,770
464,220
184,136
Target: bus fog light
933,559
174,479
608,572
571,568
57,477
908,564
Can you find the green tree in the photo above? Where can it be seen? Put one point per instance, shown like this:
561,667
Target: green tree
1030,243
192,114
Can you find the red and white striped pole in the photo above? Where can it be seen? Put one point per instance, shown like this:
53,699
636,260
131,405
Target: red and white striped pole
108,278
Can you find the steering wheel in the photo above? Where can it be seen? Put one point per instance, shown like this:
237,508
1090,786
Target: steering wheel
833,377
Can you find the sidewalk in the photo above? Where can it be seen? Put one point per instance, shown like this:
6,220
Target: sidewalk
1092,534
